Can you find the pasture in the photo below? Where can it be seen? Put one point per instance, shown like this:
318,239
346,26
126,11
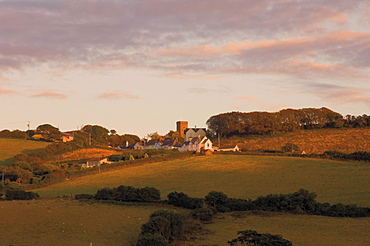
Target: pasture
11,147
56,221
237,176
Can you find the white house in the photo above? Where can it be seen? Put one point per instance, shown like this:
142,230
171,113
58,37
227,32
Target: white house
198,144
230,148
95,162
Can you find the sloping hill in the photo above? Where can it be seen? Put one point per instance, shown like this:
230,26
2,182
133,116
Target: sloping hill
12,147
314,141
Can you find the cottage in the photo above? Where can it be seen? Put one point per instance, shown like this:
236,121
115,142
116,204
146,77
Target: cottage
230,148
95,162
198,144
67,137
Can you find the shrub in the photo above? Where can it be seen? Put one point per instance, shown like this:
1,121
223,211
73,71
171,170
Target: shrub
152,240
204,214
184,201
164,223
14,194
250,237
84,196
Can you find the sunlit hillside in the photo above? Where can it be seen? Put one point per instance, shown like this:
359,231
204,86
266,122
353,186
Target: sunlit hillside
237,176
12,147
313,141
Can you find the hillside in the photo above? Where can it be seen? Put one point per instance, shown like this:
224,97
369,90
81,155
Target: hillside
12,147
310,141
237,176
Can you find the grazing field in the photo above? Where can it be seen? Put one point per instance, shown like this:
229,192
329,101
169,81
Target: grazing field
302,230
63,222
237,176
11,147
68,222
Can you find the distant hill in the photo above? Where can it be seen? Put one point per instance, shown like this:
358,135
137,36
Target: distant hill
11,147
310,141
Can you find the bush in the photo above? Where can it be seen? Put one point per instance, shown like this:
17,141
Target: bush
184,201
250,237
129,194
165,223
84,196
204,214
13,194
152,240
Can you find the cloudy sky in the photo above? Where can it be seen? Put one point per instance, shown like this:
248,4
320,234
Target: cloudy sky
138,66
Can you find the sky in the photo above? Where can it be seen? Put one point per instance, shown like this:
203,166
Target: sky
138,66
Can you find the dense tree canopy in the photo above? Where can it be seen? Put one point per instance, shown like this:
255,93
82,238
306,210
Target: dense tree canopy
262,123
49,132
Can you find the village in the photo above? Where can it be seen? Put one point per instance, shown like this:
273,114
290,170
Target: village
195,140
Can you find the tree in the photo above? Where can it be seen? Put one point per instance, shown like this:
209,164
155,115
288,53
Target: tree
250,237
49,132
97,135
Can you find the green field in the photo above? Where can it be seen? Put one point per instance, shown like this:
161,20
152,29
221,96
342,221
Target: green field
63,222
11,147
236,176
302,230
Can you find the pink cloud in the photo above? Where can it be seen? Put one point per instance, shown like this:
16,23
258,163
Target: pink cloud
117,95
50,94
7,92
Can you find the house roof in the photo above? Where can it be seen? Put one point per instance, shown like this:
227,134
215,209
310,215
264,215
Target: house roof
194,129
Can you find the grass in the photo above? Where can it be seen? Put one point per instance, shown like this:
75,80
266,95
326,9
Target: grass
236,176
68,222
311,141
11,147
48,221
302,230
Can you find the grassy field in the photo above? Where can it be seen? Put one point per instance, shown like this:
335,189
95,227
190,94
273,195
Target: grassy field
302,230
63,222
11,147
67,222
48,221
236,176
312,141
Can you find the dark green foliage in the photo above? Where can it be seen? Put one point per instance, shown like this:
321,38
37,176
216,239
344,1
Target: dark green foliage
129,194
166,224
14,194
17,134
250,237
152,240
263,123
84,196
204,214
356,156
184,201
302,202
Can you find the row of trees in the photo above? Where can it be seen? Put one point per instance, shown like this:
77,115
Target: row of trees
261,123
88,135
301,201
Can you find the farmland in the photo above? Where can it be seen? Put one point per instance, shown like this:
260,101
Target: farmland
49,220
12,147
236,176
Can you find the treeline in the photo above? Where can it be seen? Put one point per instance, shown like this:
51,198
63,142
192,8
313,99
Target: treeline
302,202
355,156
263,123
